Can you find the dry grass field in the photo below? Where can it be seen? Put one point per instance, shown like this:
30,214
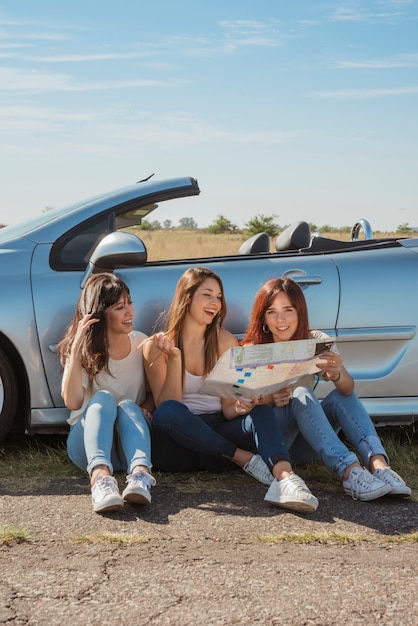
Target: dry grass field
191,244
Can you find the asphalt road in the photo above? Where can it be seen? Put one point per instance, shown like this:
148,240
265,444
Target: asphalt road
207,551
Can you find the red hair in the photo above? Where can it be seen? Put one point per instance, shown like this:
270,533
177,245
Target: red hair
263,301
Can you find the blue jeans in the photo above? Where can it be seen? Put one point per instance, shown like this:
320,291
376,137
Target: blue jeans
212,434
311,428
115,435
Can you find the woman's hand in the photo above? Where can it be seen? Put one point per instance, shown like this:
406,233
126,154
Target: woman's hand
244,406
282,397
332,364
165,345
83,327
147,413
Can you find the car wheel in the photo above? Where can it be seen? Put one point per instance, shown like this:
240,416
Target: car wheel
8,394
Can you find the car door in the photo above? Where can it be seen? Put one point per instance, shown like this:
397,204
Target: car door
377,326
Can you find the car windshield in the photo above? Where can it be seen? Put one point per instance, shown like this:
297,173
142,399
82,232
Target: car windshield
21,229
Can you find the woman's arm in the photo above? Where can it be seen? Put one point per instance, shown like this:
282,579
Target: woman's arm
163,369
232,408
72,387
335,372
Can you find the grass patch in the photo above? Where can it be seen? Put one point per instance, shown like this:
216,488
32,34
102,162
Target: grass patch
335,538
310,538
42,456
111,538
45,457
11,536
406,538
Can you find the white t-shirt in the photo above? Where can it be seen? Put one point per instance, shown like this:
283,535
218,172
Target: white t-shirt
125,381
198,403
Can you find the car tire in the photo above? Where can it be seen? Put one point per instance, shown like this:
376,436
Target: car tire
8,395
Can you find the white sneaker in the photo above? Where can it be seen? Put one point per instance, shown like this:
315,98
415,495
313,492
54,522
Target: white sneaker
361,485
105,495
398,487
139,487
292,493
259,470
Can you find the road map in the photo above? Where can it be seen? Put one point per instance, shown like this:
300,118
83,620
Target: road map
247,371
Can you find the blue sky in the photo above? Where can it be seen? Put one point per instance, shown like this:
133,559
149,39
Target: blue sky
296,108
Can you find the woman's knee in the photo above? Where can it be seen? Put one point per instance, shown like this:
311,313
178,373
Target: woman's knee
303,394
168,412
104,398
129,410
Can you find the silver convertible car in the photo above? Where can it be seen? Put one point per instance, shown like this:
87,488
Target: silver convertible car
364,291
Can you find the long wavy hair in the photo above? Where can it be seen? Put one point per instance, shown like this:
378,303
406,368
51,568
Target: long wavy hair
263,301
186,287
99,293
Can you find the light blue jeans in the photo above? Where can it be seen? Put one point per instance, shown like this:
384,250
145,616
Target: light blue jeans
111,434
310,428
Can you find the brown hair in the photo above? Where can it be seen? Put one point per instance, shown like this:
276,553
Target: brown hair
99,293
263,301
183,295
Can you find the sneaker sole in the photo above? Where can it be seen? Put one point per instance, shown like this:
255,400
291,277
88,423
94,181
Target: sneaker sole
137,497
400,492
110,506
295,505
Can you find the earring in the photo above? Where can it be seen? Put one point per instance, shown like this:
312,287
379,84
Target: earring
265,329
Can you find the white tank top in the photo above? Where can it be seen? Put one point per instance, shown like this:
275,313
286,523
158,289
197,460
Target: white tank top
198,403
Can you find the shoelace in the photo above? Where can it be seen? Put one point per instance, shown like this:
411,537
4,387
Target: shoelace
141,477
256,466
298,482
106,485
389,473
359,478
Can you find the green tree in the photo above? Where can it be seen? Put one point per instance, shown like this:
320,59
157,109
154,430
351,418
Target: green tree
167,224
146,225
187,223
262,224
222,225
404,228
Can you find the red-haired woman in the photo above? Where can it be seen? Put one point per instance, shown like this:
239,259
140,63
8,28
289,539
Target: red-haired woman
280,314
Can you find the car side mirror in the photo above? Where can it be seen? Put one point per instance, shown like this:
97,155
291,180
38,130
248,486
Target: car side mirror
115,251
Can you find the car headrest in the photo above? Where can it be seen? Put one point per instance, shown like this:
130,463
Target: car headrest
294,237
257,244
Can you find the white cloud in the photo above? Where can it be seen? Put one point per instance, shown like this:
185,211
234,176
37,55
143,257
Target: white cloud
16,80
242,33
362,94
350,14
397,62
99,56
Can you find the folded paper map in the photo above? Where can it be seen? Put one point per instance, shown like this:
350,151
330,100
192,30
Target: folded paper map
247,371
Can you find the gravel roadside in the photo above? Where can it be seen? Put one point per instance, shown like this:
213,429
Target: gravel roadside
206,552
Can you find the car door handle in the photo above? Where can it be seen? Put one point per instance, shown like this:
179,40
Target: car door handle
299,276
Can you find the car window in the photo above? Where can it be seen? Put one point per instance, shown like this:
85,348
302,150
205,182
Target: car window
73,250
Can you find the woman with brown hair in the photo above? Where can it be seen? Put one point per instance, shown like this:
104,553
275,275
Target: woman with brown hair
104,387
177,362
